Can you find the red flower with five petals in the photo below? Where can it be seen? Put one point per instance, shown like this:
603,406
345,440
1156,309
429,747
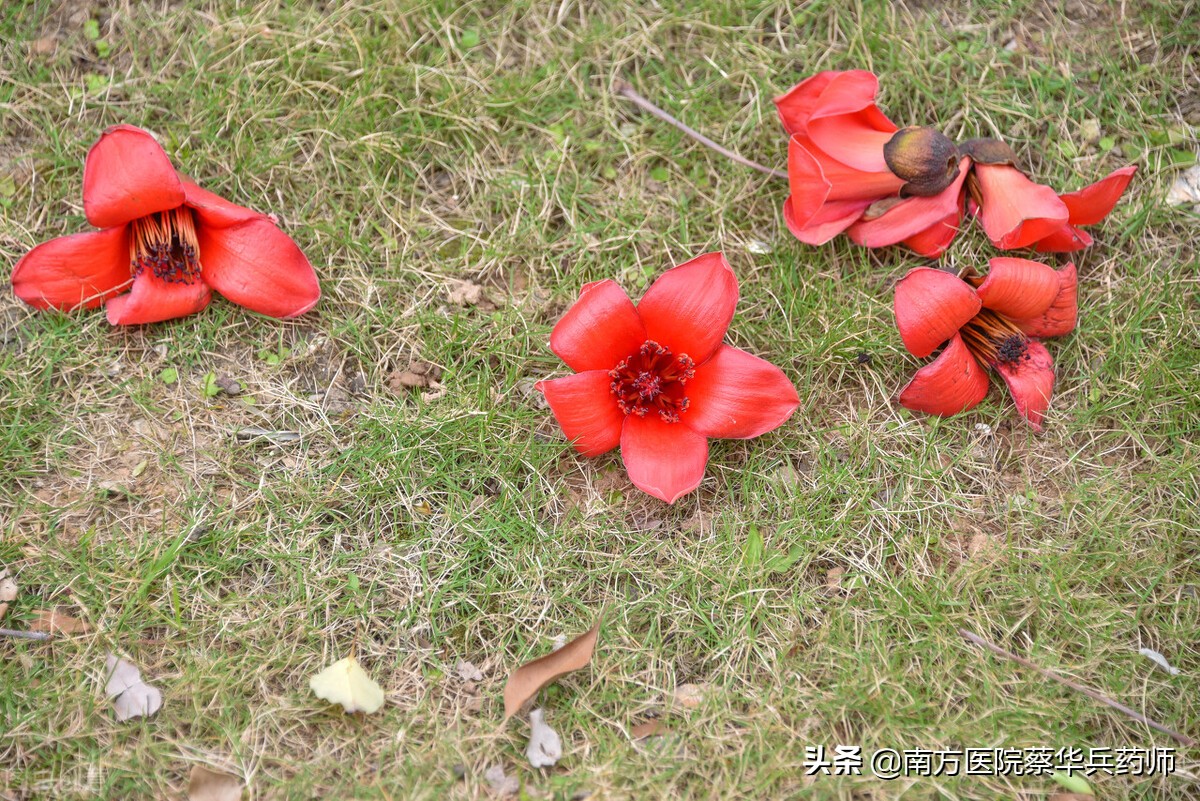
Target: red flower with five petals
656,378
992,320
167,241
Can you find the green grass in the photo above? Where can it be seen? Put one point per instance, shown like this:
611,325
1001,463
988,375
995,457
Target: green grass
404,146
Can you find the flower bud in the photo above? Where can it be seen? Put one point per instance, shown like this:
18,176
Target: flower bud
923,157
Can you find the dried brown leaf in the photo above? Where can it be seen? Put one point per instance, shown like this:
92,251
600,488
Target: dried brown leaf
209,785
648,729
55,622
526,680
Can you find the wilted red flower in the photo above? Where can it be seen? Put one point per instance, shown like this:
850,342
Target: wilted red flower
845,154
167,241
1018,213
993,320
851,169
656,379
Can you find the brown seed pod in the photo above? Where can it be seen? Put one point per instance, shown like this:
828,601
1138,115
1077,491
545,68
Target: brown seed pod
924,157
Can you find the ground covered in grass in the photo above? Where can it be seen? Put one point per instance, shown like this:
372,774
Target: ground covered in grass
811,588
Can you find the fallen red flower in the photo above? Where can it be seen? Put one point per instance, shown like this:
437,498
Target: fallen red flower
1018,213
167,241
656,378
845,154
995,321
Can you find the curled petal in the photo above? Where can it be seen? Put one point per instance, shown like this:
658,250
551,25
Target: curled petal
601,329
1018,287
1031,382
931,306
736,395
953,382
689,307
832,218
815,180
80,271
846,124
1015,211
256,265
663,459
213,210
796,106
1060,318
586,410
1093,203
127,175
914,217
153,300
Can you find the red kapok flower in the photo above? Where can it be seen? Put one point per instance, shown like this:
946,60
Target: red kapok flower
656,378
1019,213
845,154
166,240
993,321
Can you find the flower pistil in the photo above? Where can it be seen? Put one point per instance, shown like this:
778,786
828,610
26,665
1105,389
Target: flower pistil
652,378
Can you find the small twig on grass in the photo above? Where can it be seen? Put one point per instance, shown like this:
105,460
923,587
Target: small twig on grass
1182,739
24,635
629,93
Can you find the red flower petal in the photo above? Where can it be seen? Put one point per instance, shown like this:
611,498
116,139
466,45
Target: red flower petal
846,124
736,395
80,271
128,175
1018,287
213,210
663,459
1015,211
689,307
601,329
913,217
256,265
1092,204
586,410
936,239
153,300
1067,239
815,180
832,218
796,105
1060,318
953,382
1031,382
931,306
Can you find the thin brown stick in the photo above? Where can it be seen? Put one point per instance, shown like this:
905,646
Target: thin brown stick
629,93
24,635
1182,739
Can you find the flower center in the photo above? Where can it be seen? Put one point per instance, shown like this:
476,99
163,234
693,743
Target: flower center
990,336
994,339
652,379
165,244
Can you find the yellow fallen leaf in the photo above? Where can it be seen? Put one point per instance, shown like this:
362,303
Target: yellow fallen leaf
345,683
209,785
526,680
